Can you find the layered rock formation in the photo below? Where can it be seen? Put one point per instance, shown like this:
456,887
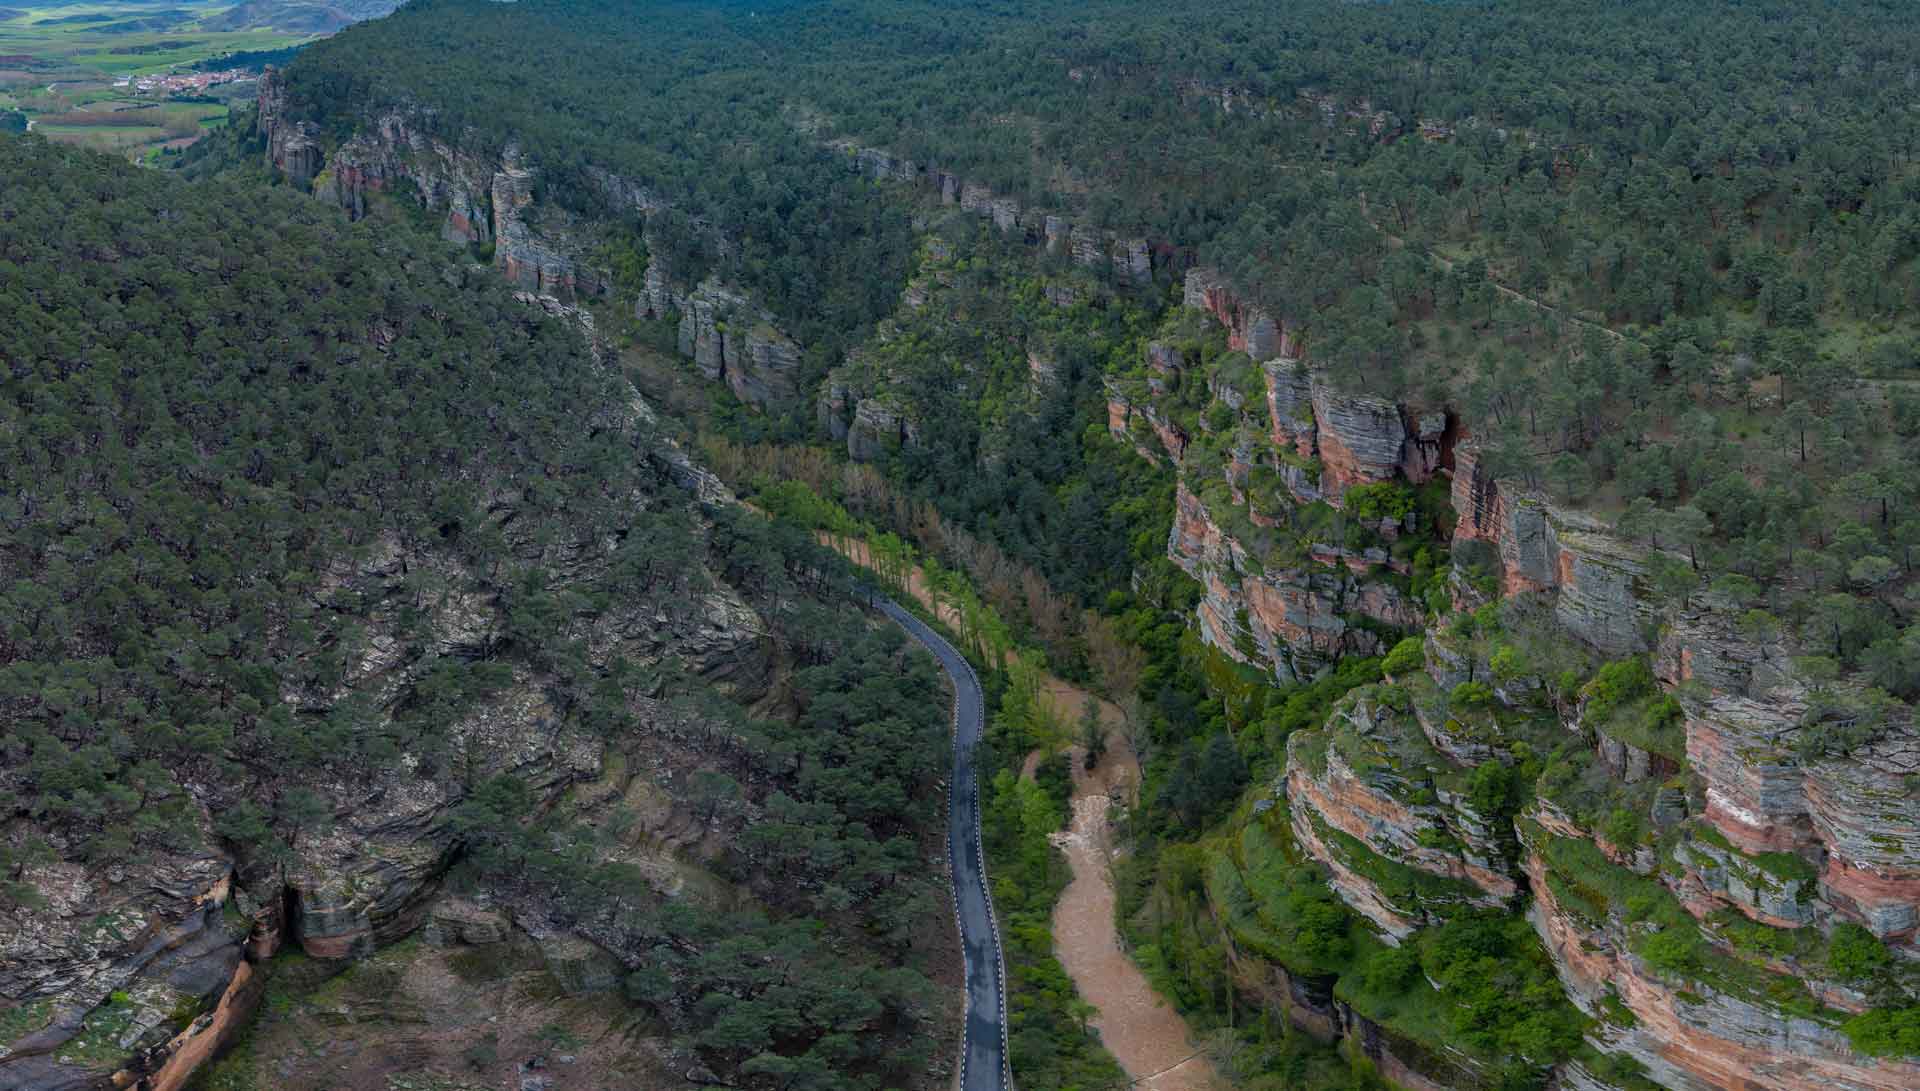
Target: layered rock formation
135,972
1129,260
1596,577
144,969
293,147
1293,621
1289,443
729,339
1690,805
1696,1035
539,247
483,200
1852,823
1368,798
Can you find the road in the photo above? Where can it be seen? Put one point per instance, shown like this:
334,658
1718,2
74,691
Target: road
984,1050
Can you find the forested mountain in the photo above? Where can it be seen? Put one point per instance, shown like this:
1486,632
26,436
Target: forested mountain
1476,446
339,583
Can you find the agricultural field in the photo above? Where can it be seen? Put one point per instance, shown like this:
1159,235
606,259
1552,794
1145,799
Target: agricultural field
139,77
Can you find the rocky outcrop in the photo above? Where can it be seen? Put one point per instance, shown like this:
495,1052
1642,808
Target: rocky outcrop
733,341
1284,437
112,961
395,156
1357,438
1596,577
1372,827
1853,820
1129,260
1292,621
1695,1037
878,428
134,972
481,199
535,246
293,147
1250,329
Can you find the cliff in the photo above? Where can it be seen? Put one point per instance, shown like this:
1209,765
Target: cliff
480,199
728,338
1292,621
490,201
1387,814
141,970
1268,447
1126,260
134,971
1596,579
1686,859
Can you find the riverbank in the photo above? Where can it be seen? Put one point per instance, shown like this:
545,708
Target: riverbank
1139,1027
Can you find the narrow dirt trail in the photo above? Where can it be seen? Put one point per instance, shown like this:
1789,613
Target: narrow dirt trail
1141,1030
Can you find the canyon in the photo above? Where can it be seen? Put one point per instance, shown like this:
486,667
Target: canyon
1322,522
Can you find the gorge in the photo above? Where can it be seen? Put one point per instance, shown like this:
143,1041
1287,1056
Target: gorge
1467,456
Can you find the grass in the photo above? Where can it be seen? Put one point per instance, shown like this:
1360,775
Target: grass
23,1019
108,46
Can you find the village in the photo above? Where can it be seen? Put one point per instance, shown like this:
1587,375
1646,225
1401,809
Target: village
188,83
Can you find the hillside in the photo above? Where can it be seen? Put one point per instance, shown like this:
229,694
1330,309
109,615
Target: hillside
1570,397
355,606
1475,447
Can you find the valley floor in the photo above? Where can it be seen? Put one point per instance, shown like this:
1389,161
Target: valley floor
1138,1026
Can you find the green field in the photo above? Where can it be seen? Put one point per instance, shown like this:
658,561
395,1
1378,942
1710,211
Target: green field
124,39
72,68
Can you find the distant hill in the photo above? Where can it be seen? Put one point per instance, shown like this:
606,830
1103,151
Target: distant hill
297,17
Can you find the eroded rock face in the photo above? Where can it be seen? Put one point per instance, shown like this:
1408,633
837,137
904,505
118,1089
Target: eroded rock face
1358,439
1707,1039
1866,816
1853,818
1290,621
539,248
732,340
136,971
440,177
293,147
1598,579
534,255
878,427
1290,411
1129,260
1393,812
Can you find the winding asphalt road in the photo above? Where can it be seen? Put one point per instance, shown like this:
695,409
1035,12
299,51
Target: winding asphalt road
984,1052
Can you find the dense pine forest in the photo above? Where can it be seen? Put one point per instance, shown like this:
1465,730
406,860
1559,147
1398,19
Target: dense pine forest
1466,455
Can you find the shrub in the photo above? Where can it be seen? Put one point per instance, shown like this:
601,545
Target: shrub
1854,952
1408,655
1472,695
1615,685
1381,500
1390,969
1885,1032
1623,828
1673,951
1507,663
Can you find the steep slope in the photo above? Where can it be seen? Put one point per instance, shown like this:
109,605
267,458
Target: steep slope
1589,414
337,578
1721,886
